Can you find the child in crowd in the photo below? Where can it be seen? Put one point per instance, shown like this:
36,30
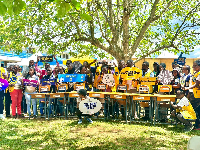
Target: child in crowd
82,95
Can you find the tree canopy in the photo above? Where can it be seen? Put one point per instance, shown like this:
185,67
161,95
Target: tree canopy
122,28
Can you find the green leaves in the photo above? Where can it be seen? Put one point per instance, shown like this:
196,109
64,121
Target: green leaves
63,8
86,17
18,6
3,8
8,3
87,27
10,6
76,4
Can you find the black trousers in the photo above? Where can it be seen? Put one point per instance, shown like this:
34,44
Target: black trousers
7,103
23,105
79,114
1,101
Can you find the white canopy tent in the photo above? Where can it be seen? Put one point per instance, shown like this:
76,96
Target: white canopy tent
34,56
10,59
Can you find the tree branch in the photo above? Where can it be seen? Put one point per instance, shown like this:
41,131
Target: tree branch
94,42
151,19
109,3
179,29
101,29
144,27
153,51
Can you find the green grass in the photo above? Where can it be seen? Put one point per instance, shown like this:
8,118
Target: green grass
66,134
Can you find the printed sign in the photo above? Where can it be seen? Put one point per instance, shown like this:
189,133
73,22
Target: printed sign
3,84
71,77
101,86
180,60
90,106
48,82
46,58
77,66
78,87
131,73
32,83
108,79
122,87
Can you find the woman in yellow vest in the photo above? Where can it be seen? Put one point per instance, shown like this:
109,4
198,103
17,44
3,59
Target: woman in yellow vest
184,111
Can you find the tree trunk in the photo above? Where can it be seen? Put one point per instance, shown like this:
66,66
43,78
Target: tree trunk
126,29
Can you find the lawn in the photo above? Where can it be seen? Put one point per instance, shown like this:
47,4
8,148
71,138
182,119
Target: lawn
66,134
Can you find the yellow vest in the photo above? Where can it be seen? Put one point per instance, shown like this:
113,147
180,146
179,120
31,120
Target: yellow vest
195,90
12,82
98,71
148,74
196,74
188,112
2,70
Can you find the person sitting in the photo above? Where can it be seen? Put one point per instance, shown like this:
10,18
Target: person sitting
82,95
146,72
52,90
156,70
165,76
184,111
176,81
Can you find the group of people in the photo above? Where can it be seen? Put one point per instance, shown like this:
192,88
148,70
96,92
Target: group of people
181,79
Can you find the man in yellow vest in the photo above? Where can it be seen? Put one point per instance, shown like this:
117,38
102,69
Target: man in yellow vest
146,72
184,111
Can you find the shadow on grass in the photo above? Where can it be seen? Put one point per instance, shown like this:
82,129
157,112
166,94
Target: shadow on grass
130,143
36,140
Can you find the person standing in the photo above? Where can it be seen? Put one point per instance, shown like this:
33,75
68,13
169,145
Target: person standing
185,79
30,90
16,82
3,76
7,92
195,84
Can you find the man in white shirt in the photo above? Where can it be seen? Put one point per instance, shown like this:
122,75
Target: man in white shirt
184,111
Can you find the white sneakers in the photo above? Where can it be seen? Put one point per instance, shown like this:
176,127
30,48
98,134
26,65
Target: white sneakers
88,119
80,121
2,116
